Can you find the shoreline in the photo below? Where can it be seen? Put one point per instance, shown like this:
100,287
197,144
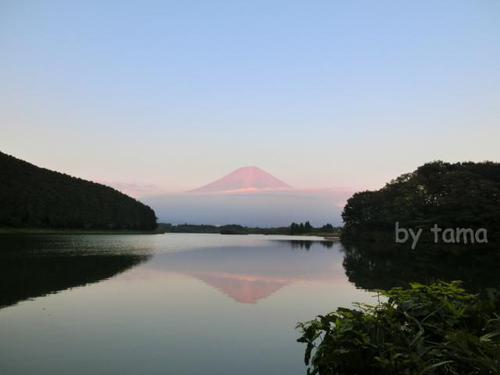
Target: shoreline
23,231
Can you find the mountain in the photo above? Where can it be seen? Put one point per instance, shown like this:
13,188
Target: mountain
36,197
252,197
246,179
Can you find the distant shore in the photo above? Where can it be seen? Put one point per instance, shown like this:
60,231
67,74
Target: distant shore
301,229
162,228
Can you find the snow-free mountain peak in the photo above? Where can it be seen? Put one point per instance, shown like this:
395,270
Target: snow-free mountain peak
245,179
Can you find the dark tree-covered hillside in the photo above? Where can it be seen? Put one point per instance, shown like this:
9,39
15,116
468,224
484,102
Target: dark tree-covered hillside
39,198
459,195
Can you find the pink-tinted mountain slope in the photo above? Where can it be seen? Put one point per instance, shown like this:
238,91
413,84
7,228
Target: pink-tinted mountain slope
244,179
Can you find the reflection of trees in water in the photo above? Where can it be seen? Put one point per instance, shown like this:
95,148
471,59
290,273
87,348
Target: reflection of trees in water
372,266
306,244
24,273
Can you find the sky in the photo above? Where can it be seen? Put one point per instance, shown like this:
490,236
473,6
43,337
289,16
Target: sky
173,95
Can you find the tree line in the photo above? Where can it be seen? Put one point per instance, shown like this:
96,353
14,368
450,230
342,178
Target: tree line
36,197
293,229
307,228
452,195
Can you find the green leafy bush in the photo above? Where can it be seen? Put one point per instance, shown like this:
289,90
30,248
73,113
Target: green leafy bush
423,329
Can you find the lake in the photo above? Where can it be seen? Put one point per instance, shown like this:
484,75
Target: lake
188,303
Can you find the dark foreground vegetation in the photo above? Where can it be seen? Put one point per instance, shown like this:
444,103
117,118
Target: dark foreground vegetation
422,325
460,195
434,329
33,197
293,229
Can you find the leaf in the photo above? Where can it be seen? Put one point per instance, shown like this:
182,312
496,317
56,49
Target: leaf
435,365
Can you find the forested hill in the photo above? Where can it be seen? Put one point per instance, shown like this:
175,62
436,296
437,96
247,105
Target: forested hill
459,195
40,198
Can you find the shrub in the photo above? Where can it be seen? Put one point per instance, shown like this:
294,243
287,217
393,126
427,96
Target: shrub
422,329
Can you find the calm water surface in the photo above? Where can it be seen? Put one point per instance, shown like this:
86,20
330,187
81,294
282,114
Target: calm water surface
181,303
163,304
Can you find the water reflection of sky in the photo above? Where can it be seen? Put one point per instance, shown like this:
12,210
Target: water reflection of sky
198,304
248,274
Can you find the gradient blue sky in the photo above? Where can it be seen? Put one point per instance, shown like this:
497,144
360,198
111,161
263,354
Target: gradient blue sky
318,93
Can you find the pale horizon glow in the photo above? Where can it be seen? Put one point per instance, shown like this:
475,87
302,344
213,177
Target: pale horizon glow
169,96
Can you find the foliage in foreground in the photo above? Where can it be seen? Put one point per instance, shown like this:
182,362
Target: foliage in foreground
434,329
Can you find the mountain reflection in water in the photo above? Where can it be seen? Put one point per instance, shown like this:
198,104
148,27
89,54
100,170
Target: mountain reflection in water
232,302
250,274
246,272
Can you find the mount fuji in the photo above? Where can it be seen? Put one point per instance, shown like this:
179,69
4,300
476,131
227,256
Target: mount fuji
244,180
253,197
